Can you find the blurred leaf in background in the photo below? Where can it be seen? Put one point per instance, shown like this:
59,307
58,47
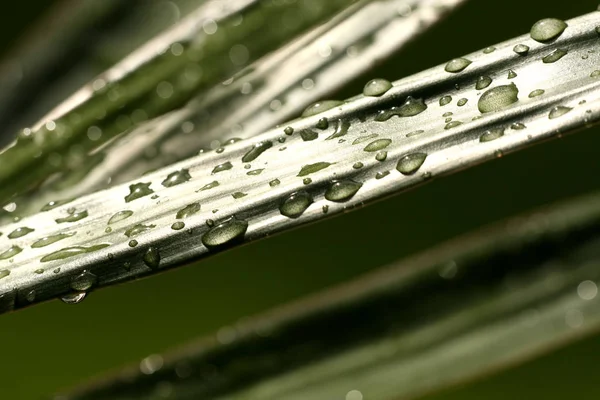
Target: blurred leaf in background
52,346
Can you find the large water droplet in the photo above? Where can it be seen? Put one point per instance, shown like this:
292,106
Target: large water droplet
83,281
176,178
547,29
558,111
376,87
498,98
19,232
73,298
227,233
377,145
152,257
48,240
222,167
320,107
188,210
295,204
11,252
343,190
72,251
138,190
554,56
256,151
457,65
312,168
73,217
411,163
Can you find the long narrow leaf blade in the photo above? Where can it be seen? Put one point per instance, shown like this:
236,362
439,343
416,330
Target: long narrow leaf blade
372,147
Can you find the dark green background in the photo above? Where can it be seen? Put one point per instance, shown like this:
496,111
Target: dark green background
54,345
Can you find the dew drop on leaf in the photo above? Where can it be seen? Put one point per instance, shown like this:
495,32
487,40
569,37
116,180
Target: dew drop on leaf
411,163
342,190
547,29
295,204
224,234
498,98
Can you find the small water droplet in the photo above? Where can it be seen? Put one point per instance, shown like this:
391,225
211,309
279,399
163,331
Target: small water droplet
222,167
376,87
274,182
498,98
73,298
137,229
547,29
554,56
462,102
518,126
415,133
288,131
445,100
295,204
176,178
74,217
68,252
30,296
225,234
120,216
322,124
307,181
521,49
256,151
320,107
209,186
138,190
84,281
312,168
381,175
457,65
558,111
177,226
4,273
377,145
595,74
492,134
239,195
511,74
483,82
11,252
152,257
343,190
133,243
358,165
489,50
255,172
411,163
381,156
19,232
409,108
452,124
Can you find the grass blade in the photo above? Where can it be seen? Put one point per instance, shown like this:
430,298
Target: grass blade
305,172
470,307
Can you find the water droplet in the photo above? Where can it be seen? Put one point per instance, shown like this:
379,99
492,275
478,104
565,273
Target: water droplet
274,182
295,204
381,175
411,163
535,93
343,190
483,82
558,111
227,233
376,87
409,108
239,195
73,298
30,296
362,139
133,243
452,124
554,56
209,186
445,100
462,102
308,134
358,165
341,129
322,124
288,131
307,181
457,65
325,209
68,252
320,107
176,178
83,281
255,172
521,49
312,168
73,217
256,151
39,271
222,167
11,252
120,216
378,145
177,226
4,273
381,156
518,126
511,74
51,239
137,229
151,257
415,133
489,50
547,29
138,190
595,74
19,232
498,98
492,134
